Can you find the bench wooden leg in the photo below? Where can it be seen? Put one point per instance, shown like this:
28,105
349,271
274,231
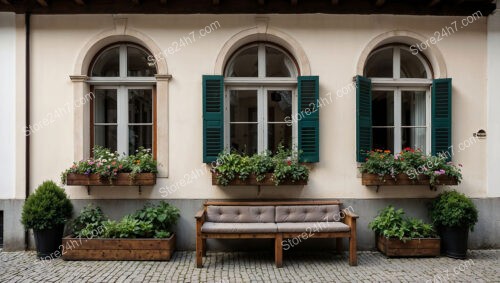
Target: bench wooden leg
199,251
204,245
338,245
353,257
278,250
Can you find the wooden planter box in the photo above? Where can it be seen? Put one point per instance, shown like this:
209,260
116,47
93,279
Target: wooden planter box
413,247
403,179
252,181
117,249
123,179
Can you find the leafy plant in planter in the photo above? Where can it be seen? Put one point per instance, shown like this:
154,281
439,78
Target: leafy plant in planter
282,166
398,235
409,162
89,221
162,216
454,214
46,211
109,164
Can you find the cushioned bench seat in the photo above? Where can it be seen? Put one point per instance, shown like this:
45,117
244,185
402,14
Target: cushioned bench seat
276,220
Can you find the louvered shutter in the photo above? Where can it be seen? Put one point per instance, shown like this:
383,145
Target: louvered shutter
363,117
441,118
213,117
308,125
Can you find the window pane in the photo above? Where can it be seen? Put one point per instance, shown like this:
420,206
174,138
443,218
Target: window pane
140,136
140,106
383,108
105,135
138,64
243,106
277,63
107,64
244,138
379,65
411,66
279,103
279,134
413,108
383,138
245,64
105,106
414,138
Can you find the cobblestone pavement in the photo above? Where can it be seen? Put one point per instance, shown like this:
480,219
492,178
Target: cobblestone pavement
482,266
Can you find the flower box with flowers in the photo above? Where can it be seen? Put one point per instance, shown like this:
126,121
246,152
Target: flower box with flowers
409,167
282,168
110,169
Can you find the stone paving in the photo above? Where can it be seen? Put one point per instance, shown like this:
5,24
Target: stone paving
482,266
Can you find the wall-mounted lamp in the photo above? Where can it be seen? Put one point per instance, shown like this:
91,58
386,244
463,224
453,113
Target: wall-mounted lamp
481,134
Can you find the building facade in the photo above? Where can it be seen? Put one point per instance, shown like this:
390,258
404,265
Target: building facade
70,81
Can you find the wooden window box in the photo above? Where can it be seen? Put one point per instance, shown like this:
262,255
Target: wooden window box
393,247
122,179
117,249
404,180
252,181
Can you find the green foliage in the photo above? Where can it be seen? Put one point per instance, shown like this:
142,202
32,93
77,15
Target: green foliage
410,162
150,221
162,216
108,164
453,209
89,222
392,223
284,165
127,227
46,208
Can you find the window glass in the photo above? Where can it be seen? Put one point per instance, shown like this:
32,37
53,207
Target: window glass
140,106
106,136
244,138
411,66
380,64
107,64
413,108
383,108
138,64
245,64
279,104
277,63
383,138
140,135
243,105
414,138
105,106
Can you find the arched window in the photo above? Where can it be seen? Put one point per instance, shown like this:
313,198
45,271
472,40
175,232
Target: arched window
400,98
260,99
260,102
124,102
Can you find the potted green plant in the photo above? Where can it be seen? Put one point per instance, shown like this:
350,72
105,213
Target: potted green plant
409,167
454,215
398,235
107,168
144,235
282,168
46,211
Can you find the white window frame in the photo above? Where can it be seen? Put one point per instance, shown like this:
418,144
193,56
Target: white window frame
122,122
262,85
397,85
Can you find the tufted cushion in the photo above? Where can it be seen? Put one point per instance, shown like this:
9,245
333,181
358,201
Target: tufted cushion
240,214
211,227
307,213
311,228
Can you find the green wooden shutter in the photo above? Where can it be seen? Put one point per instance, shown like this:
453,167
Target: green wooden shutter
441,118
308,116
213,117
363,117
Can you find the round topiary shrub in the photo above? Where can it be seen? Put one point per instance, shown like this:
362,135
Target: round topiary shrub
453,209
47,208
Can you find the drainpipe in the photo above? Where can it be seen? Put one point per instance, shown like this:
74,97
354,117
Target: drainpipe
27,86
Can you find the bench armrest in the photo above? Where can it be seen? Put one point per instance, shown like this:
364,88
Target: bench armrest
200,215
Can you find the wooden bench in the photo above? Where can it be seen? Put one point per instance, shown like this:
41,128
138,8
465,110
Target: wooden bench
277,220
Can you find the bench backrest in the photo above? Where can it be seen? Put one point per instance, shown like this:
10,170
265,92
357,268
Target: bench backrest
270,212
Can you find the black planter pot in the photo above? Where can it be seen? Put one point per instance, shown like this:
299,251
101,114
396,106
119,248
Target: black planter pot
454,241
48,242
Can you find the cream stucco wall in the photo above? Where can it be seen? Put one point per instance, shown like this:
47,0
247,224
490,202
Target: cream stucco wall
333,45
